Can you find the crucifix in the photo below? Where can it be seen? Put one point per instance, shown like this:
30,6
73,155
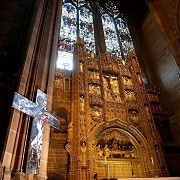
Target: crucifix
40,116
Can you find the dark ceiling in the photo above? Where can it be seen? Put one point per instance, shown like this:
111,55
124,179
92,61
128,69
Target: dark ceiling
133,9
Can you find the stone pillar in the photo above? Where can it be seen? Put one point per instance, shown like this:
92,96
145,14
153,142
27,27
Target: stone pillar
48,82
35,73
20,145
98,30
6,161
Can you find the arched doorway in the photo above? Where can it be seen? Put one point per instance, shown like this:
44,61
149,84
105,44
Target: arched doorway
55,176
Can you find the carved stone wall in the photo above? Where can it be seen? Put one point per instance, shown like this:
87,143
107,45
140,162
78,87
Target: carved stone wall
109,96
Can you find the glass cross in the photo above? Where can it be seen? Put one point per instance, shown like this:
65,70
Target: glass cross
40,116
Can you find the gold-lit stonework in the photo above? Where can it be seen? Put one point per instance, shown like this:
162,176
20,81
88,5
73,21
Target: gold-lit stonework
110,130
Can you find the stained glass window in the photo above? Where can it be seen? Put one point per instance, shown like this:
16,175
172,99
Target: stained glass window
125,37
70,27
67,37
77,21
110,35
86,28
117,36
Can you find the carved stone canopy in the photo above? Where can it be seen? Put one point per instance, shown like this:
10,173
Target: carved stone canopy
115,140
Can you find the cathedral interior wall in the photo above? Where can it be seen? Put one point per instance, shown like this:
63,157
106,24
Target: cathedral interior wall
159,45
162,71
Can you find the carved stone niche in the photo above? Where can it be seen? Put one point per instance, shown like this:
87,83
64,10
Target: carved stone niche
125,71
131,105
111,67
96,113
127,82
129,95
95,100
133,116
92,65
93,77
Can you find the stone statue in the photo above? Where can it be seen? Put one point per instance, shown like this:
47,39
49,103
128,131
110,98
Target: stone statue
106,151
70,131
81,67
99,152
82,103
83,149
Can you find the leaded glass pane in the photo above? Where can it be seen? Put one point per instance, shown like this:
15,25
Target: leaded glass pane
125,38
81,2
68,33
110,35
67,36
86,28
65,60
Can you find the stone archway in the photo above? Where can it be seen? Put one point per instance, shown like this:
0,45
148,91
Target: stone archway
118,151
63,114
128,151
55,176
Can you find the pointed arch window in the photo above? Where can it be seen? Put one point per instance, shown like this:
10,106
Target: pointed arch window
110,35
76,21
86,28
116,32
124,36
67,36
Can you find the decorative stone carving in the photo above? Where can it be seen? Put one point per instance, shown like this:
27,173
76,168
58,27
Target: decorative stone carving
92,64
139,77
99,152
115,111
129,95
127,82
68,148
95,100
83,150
96,113
81,67
106,151
133,115
125,71
94,89
111,88
70,131
82,104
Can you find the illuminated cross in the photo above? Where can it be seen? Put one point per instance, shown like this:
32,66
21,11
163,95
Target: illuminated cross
40,116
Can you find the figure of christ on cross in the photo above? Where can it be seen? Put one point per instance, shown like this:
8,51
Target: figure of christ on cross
40,116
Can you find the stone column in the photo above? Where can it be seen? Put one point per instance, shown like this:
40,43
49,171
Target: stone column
48,82
98,30
6,161
34,73
20,145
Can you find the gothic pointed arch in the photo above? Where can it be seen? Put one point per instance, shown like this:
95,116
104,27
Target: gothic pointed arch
124,144
63,114
52,175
